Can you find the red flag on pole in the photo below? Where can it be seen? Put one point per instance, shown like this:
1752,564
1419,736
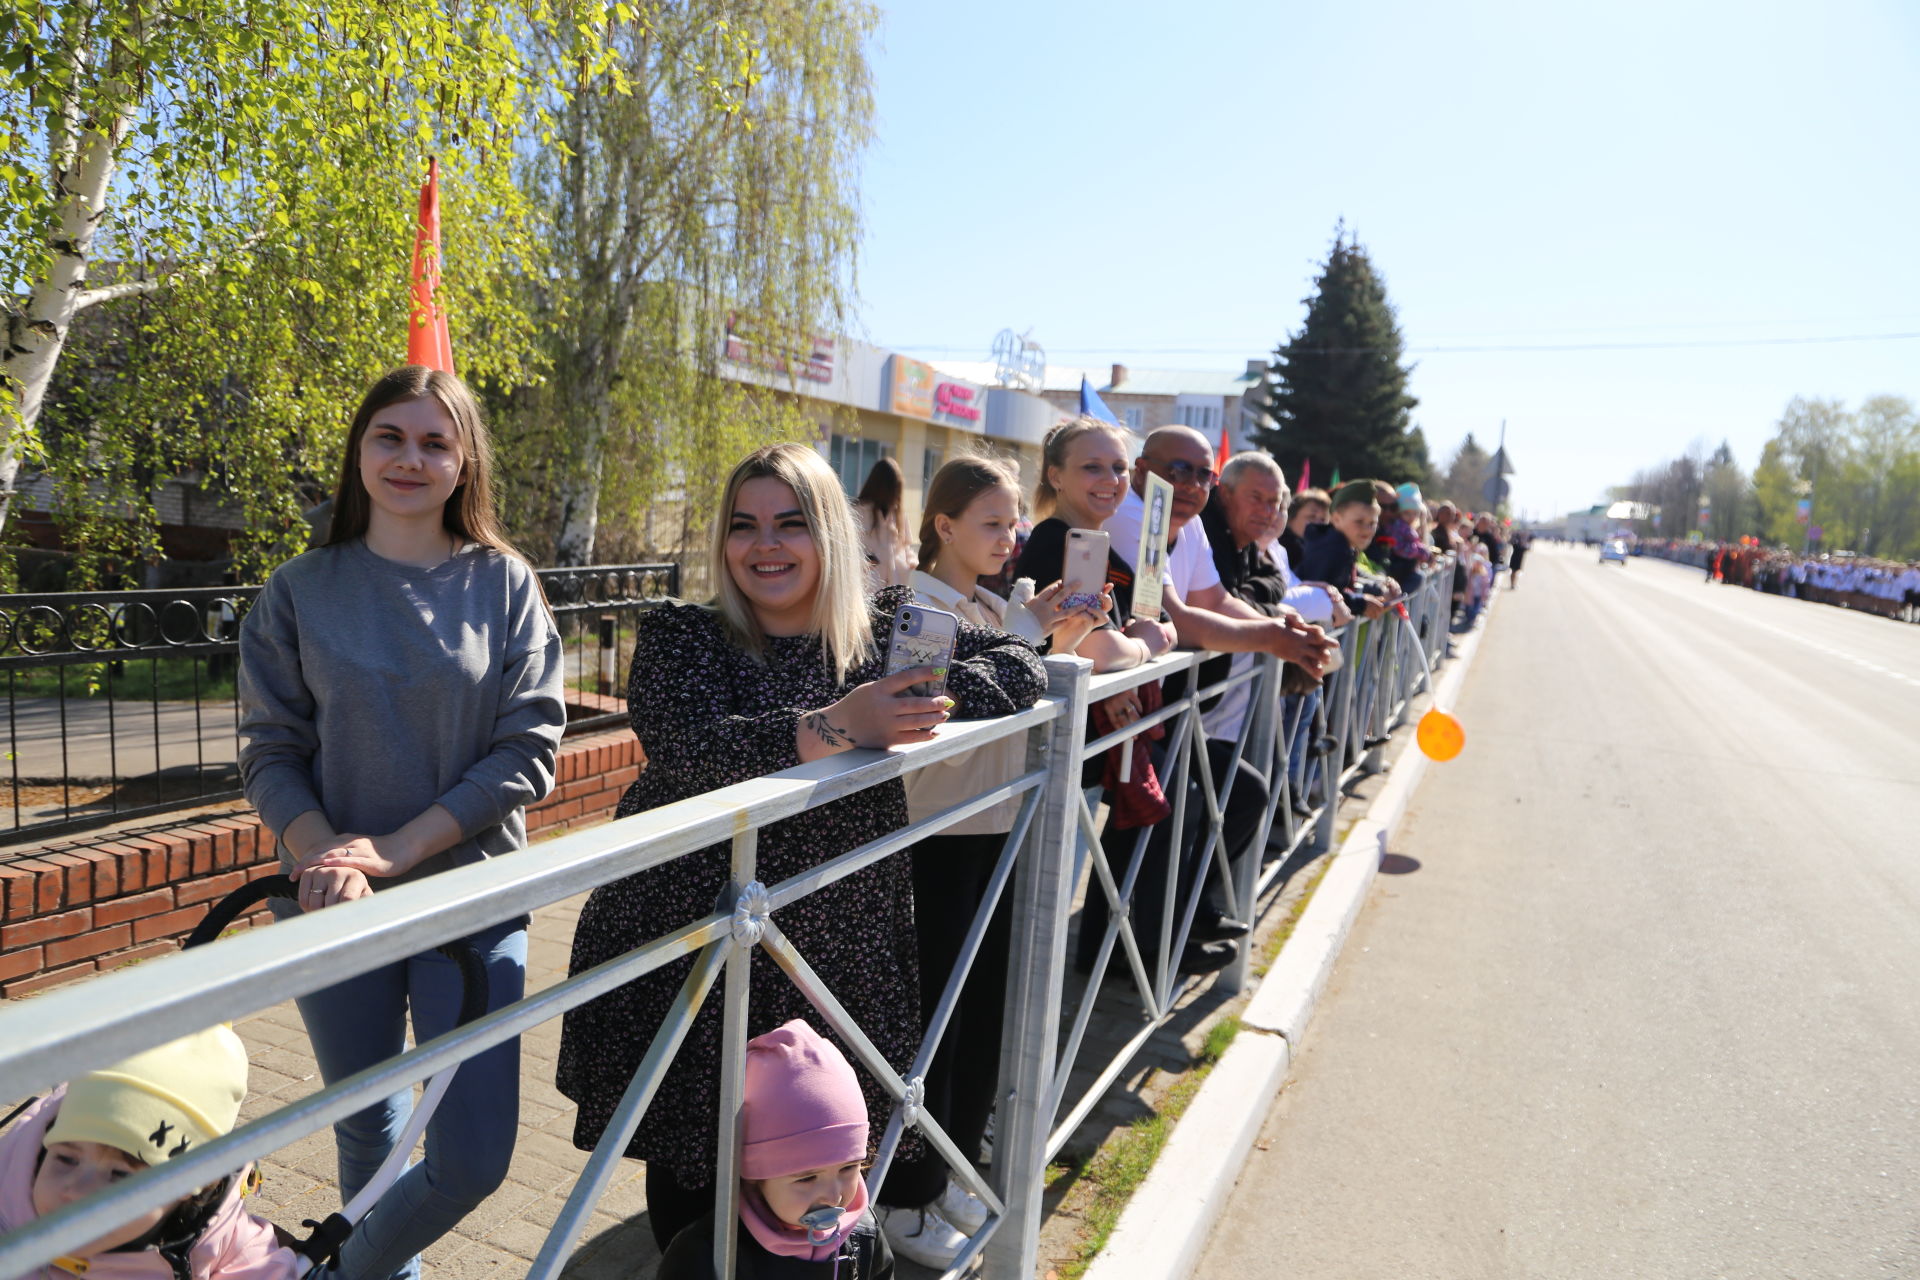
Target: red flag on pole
1220,462
427,341
1306,476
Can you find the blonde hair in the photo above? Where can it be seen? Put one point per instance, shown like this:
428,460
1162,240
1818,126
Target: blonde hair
841,616
953,490
1053,453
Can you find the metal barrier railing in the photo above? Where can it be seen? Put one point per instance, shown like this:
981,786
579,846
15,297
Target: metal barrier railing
1054,838
120,704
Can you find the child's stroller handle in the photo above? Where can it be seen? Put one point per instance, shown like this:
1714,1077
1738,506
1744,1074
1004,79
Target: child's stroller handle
473,974
329,1235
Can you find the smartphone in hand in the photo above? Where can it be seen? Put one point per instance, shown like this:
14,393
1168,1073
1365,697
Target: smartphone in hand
1084,574
920,637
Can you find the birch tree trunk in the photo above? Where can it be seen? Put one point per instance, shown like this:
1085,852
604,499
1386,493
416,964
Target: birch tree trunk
82,164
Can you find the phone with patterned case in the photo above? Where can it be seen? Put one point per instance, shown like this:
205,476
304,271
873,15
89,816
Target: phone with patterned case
922,637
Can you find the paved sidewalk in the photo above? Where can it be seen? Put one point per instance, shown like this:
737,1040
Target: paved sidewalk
503,1235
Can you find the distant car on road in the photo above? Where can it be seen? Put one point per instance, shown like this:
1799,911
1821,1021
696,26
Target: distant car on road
1614,549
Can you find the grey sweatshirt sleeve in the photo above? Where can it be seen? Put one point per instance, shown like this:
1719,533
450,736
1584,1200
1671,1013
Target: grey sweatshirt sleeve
276,719
518,769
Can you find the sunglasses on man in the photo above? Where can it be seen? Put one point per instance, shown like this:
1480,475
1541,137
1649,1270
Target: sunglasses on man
1180,471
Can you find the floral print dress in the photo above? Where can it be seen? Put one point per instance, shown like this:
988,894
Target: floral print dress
709,716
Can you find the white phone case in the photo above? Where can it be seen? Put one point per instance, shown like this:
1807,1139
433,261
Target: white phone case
1084,573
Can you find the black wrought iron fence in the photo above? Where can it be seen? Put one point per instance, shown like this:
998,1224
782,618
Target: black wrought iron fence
121,704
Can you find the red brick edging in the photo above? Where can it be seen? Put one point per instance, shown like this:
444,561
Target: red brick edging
74,907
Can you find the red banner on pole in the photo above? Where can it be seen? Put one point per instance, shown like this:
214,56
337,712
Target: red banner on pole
427,340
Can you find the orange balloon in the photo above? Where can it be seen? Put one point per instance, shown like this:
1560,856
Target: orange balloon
1440,735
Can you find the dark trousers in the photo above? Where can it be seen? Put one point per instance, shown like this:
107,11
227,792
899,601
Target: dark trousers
1242,816
672,1204
950,877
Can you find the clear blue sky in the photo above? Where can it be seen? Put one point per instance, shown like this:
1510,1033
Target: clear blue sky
1154,184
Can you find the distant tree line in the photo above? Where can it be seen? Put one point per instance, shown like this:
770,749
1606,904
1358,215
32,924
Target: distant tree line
1857,472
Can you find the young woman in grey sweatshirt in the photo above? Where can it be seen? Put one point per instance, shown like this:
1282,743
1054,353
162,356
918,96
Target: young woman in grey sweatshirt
401,693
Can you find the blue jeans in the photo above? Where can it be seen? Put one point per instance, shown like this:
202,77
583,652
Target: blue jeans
469,1141
1297,714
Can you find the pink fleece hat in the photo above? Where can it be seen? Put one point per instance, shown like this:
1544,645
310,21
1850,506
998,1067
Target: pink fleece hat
803,1108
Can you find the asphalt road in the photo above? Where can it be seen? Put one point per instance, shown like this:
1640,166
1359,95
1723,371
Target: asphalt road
104,744
1644,998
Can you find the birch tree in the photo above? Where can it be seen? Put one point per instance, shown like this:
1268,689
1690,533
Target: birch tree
244,170
714,175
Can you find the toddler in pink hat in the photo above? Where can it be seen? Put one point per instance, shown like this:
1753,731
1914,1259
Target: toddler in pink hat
803,1202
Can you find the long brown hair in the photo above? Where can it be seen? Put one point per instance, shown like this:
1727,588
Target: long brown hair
953,490
469,512
1054,454
883,490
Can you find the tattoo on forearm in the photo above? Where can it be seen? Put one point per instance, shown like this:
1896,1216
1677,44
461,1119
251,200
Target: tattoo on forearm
827,732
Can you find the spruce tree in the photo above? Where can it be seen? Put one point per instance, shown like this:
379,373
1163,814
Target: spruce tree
1337,390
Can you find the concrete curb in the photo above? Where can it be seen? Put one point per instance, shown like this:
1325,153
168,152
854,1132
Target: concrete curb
1165,1227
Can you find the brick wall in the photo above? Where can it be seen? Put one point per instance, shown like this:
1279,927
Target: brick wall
74,907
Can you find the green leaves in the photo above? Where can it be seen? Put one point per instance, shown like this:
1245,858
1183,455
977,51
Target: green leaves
615,177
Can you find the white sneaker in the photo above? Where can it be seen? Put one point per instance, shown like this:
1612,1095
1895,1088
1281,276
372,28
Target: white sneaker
921,1235
966,1211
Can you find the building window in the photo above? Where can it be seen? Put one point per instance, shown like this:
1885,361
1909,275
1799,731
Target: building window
852,458
929,464
1136,419
1203,418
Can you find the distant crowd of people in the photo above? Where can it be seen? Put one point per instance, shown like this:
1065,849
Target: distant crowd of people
1866,584
403,691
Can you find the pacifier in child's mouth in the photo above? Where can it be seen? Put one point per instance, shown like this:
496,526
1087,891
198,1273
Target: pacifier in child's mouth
821,1223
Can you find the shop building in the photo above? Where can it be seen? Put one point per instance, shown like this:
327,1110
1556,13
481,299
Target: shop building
869,403
1147,399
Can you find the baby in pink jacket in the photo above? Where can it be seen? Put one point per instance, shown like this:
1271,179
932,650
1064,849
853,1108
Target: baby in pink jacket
110,1124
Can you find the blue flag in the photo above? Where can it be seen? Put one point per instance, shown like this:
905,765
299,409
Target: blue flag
1091,404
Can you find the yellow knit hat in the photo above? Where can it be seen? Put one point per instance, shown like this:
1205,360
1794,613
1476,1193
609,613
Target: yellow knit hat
161,1103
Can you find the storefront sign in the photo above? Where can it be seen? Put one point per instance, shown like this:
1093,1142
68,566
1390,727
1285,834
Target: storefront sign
959,400
918,390
814,363
912,395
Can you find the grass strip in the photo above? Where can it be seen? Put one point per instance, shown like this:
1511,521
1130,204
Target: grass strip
1116,1171
1123,1164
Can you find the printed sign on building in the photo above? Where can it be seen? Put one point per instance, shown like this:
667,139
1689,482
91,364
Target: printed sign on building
813,362
918,390
959,404
912,395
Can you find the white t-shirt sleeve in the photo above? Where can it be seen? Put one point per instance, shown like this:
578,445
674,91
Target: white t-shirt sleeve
1191,565
1123,529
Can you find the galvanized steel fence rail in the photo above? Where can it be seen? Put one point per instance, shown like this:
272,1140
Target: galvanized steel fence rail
1053,841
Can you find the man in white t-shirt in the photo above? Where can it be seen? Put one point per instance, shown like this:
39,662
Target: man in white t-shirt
1206,617
1203,614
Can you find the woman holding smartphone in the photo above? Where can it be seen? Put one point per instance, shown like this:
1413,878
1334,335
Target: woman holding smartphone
783,667
1083,478
400,692
967,533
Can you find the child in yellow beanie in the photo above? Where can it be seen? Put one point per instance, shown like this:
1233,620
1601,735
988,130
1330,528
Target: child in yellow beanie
110,1124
